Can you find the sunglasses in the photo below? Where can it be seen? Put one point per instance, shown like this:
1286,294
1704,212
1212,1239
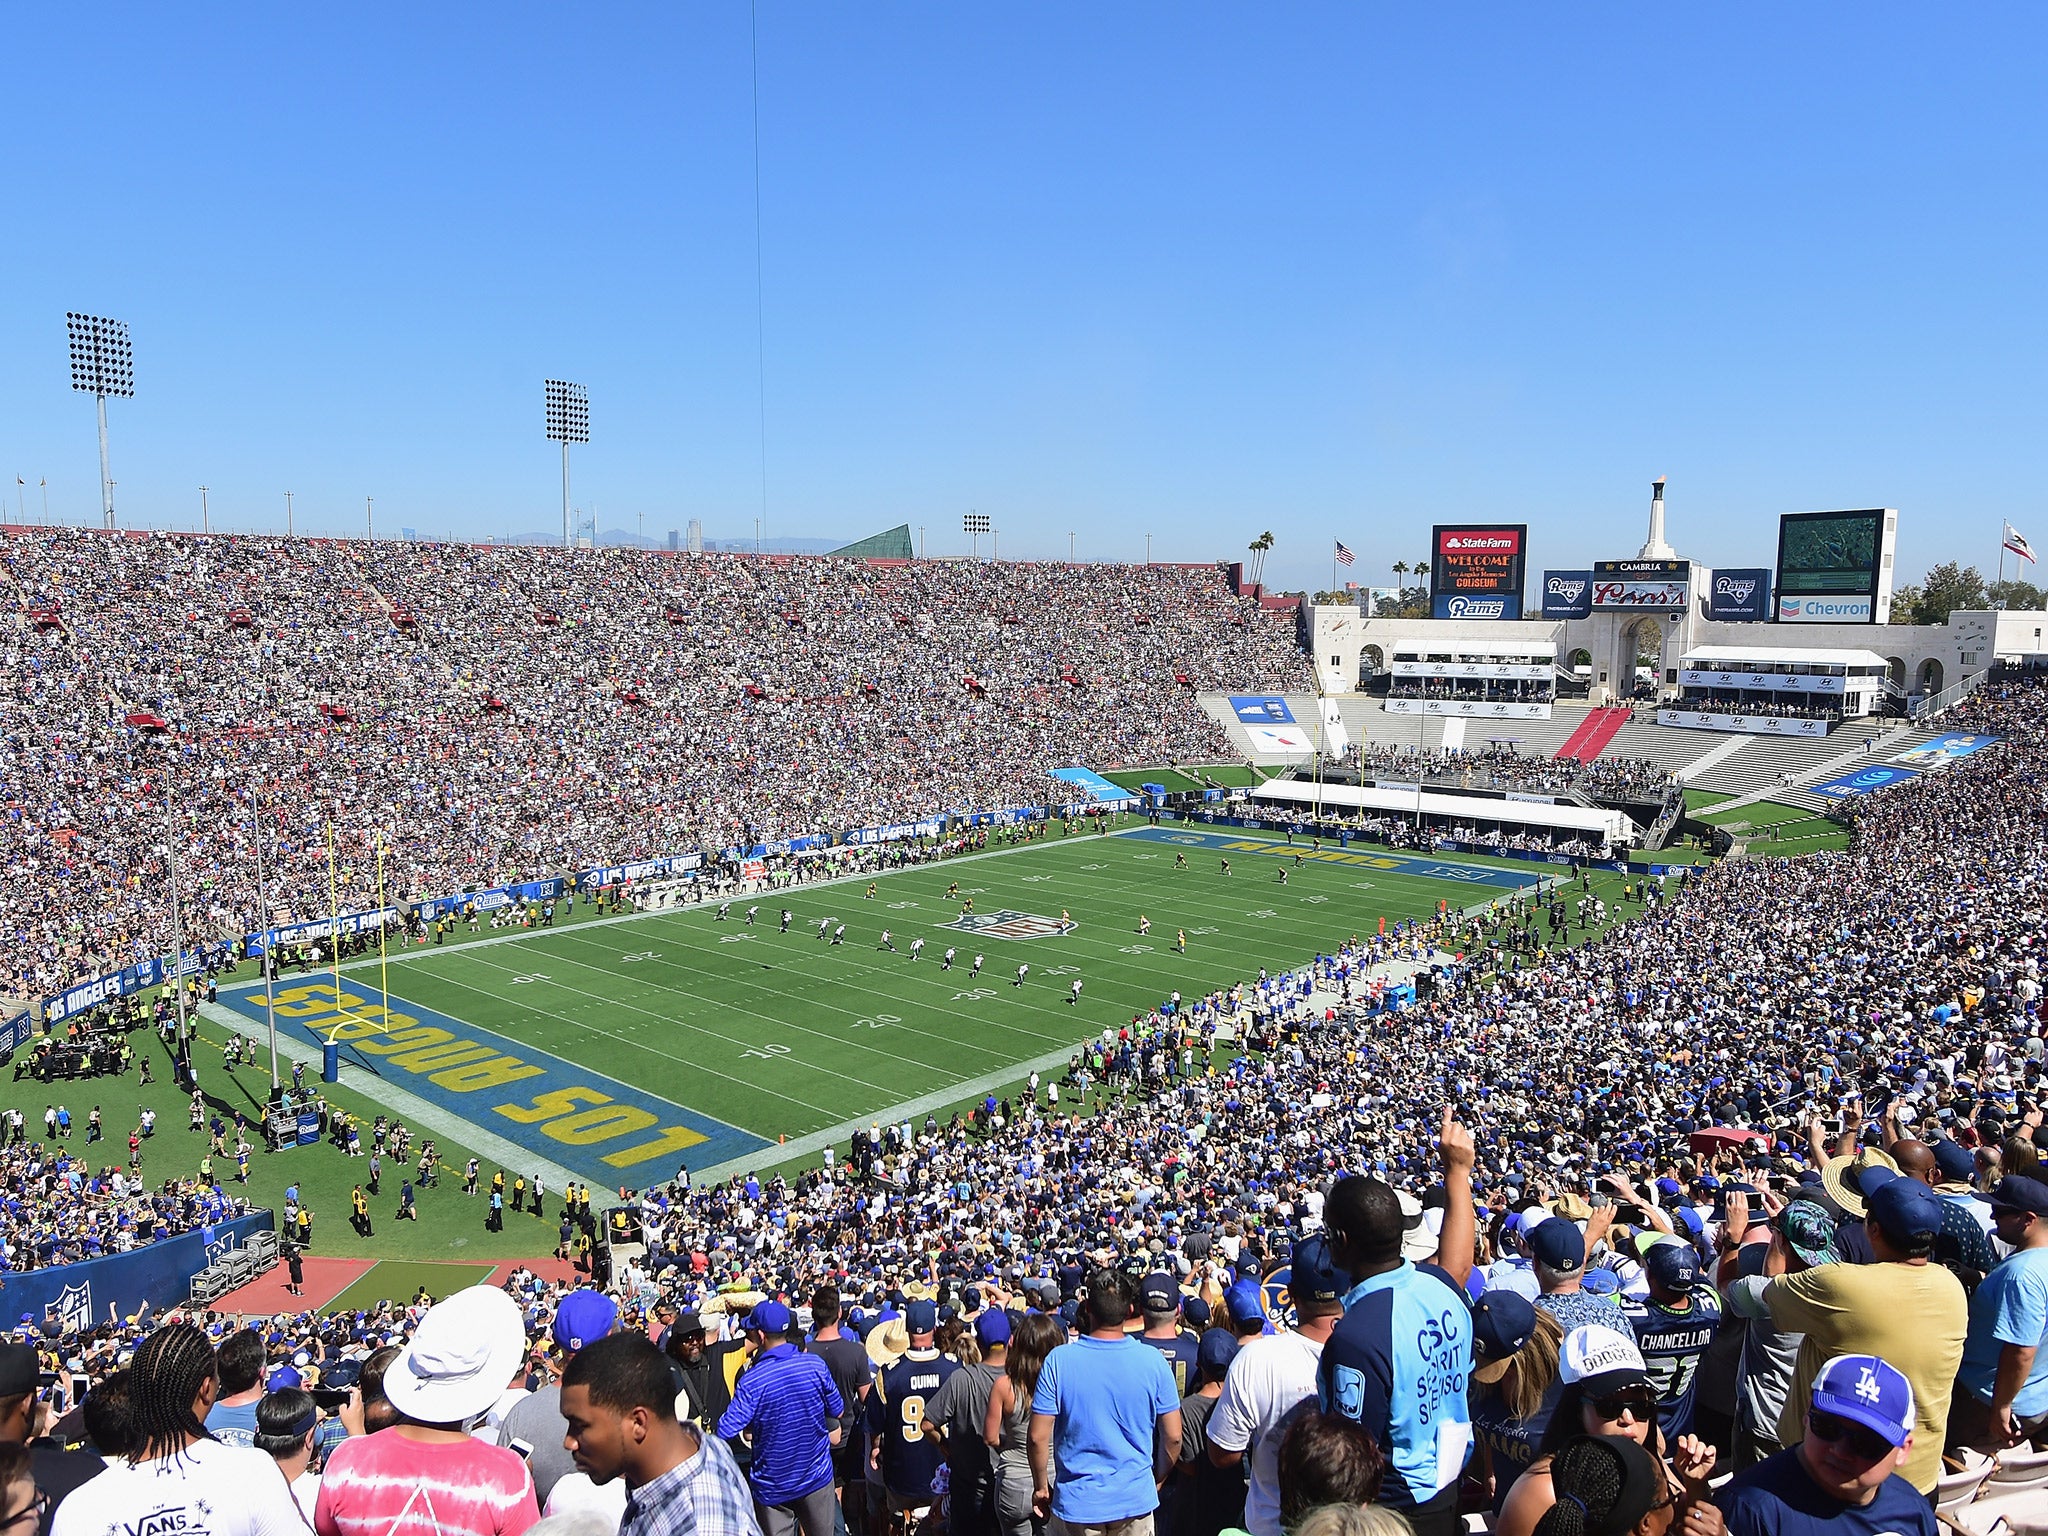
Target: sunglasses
36,1511
1865,1444
1640,1405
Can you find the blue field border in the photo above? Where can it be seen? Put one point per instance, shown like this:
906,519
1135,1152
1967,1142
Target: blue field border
1365,856
597,1127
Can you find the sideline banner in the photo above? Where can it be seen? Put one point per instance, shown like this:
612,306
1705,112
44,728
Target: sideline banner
1863,781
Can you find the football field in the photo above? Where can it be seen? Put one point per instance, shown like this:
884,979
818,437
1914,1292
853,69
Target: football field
615,1049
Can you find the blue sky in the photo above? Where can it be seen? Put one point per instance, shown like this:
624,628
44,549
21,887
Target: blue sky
1179,269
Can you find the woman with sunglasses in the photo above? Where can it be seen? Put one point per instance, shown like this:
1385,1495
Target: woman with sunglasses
1607,1393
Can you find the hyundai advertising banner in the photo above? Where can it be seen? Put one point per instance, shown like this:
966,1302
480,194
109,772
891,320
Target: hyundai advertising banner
1740,597
1476,570
1567,594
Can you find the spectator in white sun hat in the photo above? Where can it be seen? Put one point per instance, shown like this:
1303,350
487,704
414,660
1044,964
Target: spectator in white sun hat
427,1472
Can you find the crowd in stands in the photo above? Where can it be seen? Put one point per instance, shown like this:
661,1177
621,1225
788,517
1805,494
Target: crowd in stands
1778,706
1502,767
1747,1187
496,712
56,1207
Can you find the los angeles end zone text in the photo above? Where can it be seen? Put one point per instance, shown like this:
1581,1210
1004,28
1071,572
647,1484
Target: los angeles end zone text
592,1125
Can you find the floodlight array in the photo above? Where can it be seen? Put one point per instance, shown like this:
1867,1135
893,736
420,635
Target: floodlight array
102,361
568,412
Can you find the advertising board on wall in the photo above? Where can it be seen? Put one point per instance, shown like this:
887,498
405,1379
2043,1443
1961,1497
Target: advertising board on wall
1476,570
1653,584
1746,725
1740,596
1567,594
1836,567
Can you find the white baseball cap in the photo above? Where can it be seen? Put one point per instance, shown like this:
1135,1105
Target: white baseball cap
1600,1360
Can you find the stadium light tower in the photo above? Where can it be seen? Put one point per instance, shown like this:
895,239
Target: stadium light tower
974,525
102,364
568,422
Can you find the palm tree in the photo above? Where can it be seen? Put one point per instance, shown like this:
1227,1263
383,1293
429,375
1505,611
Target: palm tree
1400,569
1258,548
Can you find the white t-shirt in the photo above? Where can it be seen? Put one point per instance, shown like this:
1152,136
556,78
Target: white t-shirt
306,1491
1269,1381
209,1489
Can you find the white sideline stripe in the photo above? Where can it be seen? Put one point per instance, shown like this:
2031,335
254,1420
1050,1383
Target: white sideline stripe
408,1106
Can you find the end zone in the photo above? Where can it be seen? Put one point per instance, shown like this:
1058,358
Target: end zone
1355,858
593,1125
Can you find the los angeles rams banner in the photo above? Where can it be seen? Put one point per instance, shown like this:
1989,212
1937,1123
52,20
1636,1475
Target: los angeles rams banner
1740,597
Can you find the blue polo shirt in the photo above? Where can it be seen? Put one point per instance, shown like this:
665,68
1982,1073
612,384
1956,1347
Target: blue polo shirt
787,1399
1398,1362
1105,1396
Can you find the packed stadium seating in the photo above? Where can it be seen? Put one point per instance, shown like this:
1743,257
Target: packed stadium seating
494,712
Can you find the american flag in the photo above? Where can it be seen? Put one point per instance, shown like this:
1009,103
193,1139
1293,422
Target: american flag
1344,556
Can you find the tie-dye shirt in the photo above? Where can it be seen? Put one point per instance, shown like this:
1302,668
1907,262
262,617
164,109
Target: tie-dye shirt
387,1485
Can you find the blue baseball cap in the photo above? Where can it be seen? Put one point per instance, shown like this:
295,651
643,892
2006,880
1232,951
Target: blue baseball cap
1867,1391
1674,1266
1957,1163
284,1376
768,1317
1314,1275
920,1317
1502,1322
583,1317
1559,1245
1217,1349
1903,1209
992,1328
1195,1312
1245,1302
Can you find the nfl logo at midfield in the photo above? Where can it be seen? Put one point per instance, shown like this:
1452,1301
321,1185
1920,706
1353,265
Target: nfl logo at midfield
1006,924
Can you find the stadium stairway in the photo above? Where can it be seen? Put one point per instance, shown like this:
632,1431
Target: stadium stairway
1595,732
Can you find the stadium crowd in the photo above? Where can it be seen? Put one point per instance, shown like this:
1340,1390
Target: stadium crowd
1748,1186
499,712
1502,767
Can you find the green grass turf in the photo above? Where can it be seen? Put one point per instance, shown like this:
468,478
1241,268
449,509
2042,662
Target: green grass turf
397,1280
1698,800
1232,775
785,1034
862,1030
1803,830
450,1224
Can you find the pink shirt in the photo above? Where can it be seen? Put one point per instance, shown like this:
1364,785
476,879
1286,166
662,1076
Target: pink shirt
387,1485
